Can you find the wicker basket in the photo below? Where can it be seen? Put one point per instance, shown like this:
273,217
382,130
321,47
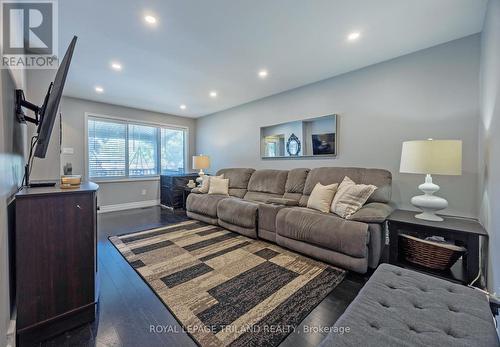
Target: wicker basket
434,255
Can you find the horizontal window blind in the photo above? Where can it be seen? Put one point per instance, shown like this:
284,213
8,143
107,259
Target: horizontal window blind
142,150
121,149
106,148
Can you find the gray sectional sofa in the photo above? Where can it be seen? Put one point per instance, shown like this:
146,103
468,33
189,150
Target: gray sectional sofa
271,205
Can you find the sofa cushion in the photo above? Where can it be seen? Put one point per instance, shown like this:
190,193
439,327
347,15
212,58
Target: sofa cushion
204,204
237,192
350,197
328,175
400,307
324,230
374,212
267,216
268,181
322,196
218,186
238,212
326,255
238,180
295,183
205,183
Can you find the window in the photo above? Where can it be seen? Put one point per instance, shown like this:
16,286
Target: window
107,154
172,150
142,150
121,149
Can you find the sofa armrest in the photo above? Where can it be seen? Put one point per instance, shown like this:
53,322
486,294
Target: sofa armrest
283,201
374,212
196,191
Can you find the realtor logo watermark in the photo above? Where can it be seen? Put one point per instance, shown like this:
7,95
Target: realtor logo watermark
29,34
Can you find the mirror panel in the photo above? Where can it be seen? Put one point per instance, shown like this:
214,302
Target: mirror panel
312,137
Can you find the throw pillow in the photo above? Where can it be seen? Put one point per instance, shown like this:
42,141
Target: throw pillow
321,197
205,183
350,197
219,186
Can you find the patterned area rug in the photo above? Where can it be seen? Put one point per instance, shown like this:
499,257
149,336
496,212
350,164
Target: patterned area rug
226,289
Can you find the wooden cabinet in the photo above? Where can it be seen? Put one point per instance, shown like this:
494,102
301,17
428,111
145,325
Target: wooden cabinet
172,188
55,251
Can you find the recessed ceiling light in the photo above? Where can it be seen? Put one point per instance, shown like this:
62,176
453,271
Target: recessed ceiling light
116,66
99,89
213,94
353,36
182,107
263,73
150,19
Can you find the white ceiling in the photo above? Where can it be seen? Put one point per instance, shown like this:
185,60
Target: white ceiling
199,45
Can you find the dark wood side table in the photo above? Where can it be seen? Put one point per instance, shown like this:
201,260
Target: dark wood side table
462,231
172,188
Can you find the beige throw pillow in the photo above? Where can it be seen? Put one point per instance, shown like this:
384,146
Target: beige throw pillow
321,197
219,186
205,183
350,197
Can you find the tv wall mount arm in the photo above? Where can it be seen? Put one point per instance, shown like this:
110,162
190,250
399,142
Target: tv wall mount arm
38,111
22,102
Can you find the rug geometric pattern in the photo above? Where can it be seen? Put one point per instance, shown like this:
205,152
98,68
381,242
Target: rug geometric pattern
226,289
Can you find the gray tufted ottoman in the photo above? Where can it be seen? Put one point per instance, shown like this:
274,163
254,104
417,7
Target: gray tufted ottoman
399,307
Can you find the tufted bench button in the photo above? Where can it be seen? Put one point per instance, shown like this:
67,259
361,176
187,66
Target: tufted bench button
417,306
451,333
374,326
452,309
391,286
413,329
384,304
422,289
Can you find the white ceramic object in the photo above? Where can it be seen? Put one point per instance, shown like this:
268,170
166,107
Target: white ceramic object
429,203
199,179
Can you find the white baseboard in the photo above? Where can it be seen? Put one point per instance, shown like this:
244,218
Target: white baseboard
11,331
128,206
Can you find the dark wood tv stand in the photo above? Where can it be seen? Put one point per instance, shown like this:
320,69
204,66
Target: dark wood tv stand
56,260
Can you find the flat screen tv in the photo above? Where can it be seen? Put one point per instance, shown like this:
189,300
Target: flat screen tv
51,104
323,143
46,114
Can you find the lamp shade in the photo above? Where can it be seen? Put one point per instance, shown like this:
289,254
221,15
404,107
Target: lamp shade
201,162
438,157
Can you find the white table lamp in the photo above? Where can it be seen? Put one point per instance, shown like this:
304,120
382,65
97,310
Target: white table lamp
200,162
428,157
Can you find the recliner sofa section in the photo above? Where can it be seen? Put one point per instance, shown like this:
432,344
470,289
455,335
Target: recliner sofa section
272,205
354,244
203,207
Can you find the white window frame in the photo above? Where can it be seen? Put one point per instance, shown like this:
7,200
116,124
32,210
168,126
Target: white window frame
136,122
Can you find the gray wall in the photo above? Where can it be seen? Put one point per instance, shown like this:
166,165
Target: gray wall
12,148
428,94
73,115
489,139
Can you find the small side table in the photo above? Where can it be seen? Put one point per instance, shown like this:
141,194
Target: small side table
463,231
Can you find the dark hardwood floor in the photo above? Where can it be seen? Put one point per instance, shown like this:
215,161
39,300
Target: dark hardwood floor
128,308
